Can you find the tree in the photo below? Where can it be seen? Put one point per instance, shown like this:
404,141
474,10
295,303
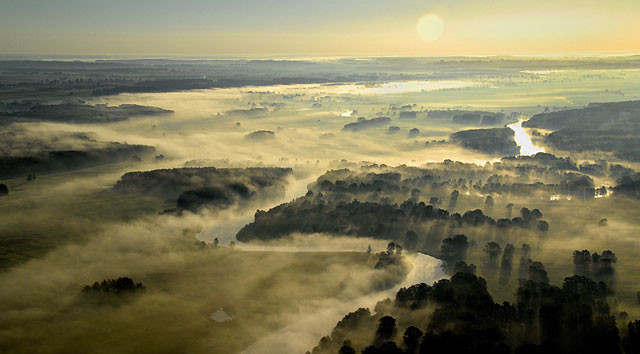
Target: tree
536,214
386,330
391,248
537,273
506,265
390,347
463,267
602,267
453,250
347,348
550,325
509,210
493,250
410,240
415,194
488,205
582,263
543,225
525,251
411,339
453,200
371,350
324,346
490,265
631,343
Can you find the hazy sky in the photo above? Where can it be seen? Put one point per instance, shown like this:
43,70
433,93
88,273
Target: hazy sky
316,28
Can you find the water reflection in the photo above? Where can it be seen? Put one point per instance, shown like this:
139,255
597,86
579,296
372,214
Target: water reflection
523,139
220,316
396,87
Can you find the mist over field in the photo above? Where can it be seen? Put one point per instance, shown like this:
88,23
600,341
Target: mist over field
320,204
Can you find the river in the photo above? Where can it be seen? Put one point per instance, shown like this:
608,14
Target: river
523,139
305,333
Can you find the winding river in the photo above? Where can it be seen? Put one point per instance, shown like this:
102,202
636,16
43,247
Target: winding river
305,334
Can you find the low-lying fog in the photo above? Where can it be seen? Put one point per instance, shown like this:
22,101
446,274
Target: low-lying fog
73,230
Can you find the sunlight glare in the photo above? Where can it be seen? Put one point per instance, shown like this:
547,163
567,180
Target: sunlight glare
430,27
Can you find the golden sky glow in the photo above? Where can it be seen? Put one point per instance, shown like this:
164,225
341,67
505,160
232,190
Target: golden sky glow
330,28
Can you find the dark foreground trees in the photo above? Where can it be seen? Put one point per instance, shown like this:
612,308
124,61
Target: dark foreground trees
458,315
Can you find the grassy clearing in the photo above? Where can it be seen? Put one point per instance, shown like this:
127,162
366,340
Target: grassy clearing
261,291
63,207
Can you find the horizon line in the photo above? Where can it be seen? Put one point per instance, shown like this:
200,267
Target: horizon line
79,57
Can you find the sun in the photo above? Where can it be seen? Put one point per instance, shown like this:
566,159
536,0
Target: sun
430,27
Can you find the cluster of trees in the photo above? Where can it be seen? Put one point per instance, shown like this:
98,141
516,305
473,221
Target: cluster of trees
628,186
214,197
458,315
395,185
250,112
193,188
388,183
408,115
599,267
64,160
413,133
83,113
611,127
468,117
479,118
363,124
491,141
311,214
582,187
392,256
540,160
159,85
542,174
594,116
111,77
260,135
120,286
562,175
559,174
393,129
621,142
182,84
454,252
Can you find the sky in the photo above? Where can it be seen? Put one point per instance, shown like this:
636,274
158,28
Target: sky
268,28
